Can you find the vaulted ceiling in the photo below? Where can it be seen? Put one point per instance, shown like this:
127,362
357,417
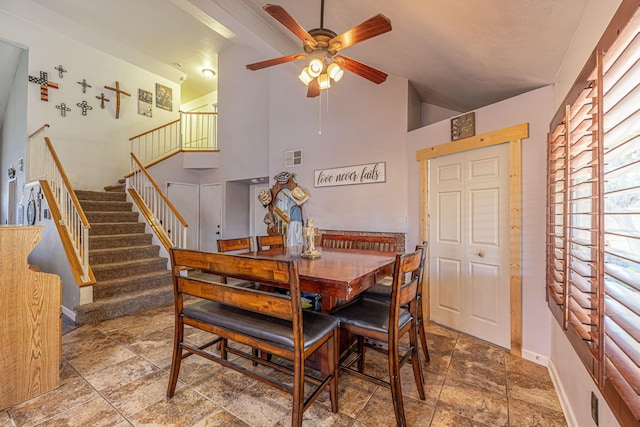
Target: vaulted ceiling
457,54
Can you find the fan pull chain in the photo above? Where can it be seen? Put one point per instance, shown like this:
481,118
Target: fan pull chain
320,114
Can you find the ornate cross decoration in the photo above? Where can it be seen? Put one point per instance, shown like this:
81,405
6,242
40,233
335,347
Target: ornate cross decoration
60,71
45,84
63,109
84,85
84,107
102,100
118,91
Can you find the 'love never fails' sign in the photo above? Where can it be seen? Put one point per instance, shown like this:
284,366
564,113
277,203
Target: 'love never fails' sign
351,175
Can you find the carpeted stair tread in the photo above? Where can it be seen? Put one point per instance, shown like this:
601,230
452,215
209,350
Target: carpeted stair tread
115,188
108,216
88,195
128,268
106,228
119,240
111,255
134,283
110,308
106,205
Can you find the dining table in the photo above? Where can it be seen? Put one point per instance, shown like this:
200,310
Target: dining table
338,275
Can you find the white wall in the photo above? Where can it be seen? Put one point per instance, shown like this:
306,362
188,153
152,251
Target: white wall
360,123
433,114
533,108
13,135
93,148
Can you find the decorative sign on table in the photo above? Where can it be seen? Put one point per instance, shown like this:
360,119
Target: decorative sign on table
463,126
351,175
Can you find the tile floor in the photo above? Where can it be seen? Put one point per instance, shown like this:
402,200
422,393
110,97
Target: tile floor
115,373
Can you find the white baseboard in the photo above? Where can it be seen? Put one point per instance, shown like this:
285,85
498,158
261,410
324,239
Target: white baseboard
69,313
535,357
562,396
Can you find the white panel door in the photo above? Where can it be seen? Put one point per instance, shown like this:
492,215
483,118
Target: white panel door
469,242
184,198
210,216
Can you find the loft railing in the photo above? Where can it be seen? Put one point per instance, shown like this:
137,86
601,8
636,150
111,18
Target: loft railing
44,167
192,132
162,216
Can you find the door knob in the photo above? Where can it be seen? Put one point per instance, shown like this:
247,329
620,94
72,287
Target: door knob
481,254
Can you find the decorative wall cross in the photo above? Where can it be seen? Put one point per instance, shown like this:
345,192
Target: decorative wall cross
63,109
60,71
118,91
45,84
84,85
102,100
84,107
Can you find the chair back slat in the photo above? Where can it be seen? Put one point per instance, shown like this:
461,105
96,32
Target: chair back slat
406,277
272,304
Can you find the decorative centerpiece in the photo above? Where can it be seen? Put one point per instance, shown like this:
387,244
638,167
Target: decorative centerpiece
309,232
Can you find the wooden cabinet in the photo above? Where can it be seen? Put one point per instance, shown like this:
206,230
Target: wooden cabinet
30,324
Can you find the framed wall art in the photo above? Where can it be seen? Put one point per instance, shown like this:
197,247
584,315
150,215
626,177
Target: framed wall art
463,126
145,102
164,97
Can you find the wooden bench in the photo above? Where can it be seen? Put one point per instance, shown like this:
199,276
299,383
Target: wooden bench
270,322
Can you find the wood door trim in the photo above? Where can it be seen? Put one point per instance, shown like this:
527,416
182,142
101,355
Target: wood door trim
512,135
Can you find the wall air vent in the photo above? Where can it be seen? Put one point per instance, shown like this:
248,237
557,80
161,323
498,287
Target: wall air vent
292,158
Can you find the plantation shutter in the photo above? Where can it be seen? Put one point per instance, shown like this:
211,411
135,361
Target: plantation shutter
621,169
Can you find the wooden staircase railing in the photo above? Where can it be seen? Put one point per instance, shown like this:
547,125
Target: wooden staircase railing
44,167
162,216
192,132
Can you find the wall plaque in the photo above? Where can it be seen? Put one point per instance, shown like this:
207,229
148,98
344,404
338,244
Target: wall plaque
351,175
463,126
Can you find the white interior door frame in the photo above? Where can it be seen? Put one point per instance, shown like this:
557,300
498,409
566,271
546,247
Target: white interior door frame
514,136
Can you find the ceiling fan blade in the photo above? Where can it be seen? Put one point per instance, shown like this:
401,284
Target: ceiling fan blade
283,17
361,69
275,61
372,27
313,89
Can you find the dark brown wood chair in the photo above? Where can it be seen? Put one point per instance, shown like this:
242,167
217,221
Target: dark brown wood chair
369,319
382,292
267,242
270,322
351,241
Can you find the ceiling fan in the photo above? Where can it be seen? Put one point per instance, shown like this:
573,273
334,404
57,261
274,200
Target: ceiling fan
322,46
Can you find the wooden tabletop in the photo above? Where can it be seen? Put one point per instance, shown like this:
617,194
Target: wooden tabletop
338,273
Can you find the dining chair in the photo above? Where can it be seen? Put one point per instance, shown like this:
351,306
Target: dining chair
368,319
271,322
235,245
382,292
275,241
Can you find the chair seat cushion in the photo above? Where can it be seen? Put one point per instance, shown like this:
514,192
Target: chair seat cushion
369,314
267,328
379,292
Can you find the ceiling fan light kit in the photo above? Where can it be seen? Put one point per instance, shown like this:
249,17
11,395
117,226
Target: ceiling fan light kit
322,45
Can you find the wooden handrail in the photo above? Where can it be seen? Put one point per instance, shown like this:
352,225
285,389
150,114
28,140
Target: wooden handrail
40,129
74,263
153,130
166,200
67,183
